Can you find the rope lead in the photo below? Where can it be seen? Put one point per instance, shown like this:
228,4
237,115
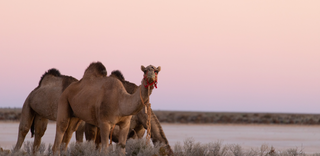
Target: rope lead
147,110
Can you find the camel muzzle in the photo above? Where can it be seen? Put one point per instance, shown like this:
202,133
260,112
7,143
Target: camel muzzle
152,79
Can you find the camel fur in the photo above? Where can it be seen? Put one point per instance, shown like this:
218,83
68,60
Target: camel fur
41,105
103,102
137,125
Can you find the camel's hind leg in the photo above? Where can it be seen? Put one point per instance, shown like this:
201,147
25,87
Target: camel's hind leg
124,130
104,132
40,124
80,131
27,116
90,132
73,126
97,139
63,119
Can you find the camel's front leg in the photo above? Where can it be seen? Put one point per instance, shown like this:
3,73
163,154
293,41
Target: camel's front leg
104,132
136,128
40,127
140,130
124,130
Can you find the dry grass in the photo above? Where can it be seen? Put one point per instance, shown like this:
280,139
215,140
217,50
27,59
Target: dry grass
140,148
192,148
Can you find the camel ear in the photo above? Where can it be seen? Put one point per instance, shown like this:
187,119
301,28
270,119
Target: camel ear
143,68
159,68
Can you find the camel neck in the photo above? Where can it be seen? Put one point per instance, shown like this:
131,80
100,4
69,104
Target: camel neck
132,104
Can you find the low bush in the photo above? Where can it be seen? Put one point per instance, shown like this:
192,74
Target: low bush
138,147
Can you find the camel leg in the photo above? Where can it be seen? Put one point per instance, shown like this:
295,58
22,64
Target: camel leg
97,139
157,133
140,130
80,131
137,129
27,116
124,130
63,119
40,124
104,132
73,126
61,128
115,134
90,132
132,134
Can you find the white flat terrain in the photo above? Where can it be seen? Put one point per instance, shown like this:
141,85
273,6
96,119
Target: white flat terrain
281,137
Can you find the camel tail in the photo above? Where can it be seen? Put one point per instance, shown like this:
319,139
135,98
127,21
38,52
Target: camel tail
32,129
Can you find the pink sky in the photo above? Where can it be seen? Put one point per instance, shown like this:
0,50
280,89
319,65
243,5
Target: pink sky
248,56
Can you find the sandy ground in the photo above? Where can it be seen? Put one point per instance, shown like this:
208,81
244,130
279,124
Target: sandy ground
281,137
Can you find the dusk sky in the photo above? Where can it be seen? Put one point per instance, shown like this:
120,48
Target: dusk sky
228,55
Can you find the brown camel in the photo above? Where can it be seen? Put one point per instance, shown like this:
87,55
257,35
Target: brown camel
41,105
137,125
103,102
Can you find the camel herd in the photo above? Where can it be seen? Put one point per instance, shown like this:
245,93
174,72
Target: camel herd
93,105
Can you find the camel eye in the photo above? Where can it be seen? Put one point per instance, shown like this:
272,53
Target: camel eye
156,71
145,72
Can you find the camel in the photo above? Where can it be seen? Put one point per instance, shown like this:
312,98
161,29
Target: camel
102,102
137,126
41,105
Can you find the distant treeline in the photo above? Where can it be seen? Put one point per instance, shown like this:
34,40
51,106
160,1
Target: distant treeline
14,114
238,118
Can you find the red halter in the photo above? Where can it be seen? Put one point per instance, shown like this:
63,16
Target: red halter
151,84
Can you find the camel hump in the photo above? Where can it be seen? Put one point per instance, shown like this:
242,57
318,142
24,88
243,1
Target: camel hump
118,75
52,71
96,69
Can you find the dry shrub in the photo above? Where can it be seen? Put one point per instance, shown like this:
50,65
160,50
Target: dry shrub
138,147
216,149
293,152
192,148
82,149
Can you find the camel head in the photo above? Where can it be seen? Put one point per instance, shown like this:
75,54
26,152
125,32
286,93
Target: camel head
150,75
